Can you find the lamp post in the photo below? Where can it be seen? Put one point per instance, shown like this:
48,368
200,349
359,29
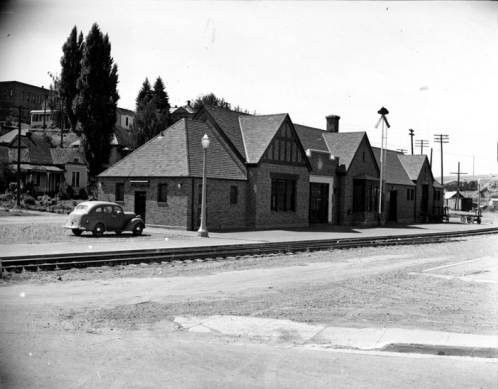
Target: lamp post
203,229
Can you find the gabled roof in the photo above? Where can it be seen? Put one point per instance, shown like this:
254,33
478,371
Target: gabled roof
257,133
228,121
343,145
394,171
413,164
178,153
311,138
10,136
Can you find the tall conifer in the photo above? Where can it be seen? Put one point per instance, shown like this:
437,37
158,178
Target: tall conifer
97,98
70,72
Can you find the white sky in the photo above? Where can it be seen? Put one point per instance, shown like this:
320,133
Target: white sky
434,65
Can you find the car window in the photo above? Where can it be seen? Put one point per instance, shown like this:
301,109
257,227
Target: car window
98,210
117,210
108,209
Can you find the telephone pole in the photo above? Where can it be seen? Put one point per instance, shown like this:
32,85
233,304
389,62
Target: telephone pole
422,143
441,138
458,173
19,160
412,134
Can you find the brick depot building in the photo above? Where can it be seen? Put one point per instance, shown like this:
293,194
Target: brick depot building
263,171
257,174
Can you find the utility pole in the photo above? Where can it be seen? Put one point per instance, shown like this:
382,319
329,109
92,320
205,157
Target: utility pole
19,160
382,112
441,138
44,108
430,160
458,173
422,143
411,133
403,151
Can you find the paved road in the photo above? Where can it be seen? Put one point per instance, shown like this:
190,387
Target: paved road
102,328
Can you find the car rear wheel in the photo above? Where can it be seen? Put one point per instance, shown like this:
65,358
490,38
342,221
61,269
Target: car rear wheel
77,231
99,230
137,230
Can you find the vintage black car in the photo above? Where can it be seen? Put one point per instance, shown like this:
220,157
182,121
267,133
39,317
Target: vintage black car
101,216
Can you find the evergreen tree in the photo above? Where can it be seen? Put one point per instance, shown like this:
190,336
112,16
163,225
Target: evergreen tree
97,99
161,101
71,69
152,111
144,94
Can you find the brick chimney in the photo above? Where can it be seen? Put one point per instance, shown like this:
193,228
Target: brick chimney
332,123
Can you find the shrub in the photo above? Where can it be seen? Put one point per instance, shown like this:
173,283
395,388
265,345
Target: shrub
28,200
70,191
82,194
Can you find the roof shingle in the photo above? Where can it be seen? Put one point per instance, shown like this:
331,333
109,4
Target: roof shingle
257,133
311,138
343,145
395,173
178,153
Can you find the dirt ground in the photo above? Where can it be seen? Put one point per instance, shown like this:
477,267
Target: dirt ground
106,312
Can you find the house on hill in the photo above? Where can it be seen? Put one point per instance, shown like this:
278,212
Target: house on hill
43,167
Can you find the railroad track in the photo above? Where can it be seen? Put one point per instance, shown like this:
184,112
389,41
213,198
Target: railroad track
66,261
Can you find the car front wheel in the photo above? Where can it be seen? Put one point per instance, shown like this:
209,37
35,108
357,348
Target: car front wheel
77,231
137,230
99,230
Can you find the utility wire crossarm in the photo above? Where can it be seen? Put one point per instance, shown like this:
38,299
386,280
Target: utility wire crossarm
422,143
441,138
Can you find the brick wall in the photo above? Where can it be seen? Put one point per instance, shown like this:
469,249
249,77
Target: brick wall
358,167
178,211
405,207
259,210
221,215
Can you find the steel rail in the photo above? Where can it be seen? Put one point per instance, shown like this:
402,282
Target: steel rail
73,260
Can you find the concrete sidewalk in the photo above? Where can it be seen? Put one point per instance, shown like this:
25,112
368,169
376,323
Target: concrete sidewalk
287,331
161,238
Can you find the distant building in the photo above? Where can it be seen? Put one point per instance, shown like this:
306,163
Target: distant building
43,167
124,118
41,118
14,94
183,112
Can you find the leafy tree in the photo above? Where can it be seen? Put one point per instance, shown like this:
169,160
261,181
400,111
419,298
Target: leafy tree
212,100
55,100
97,98
152,110
71,70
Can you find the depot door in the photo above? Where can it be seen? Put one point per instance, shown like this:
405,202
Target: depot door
393,206
319,202
140,203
